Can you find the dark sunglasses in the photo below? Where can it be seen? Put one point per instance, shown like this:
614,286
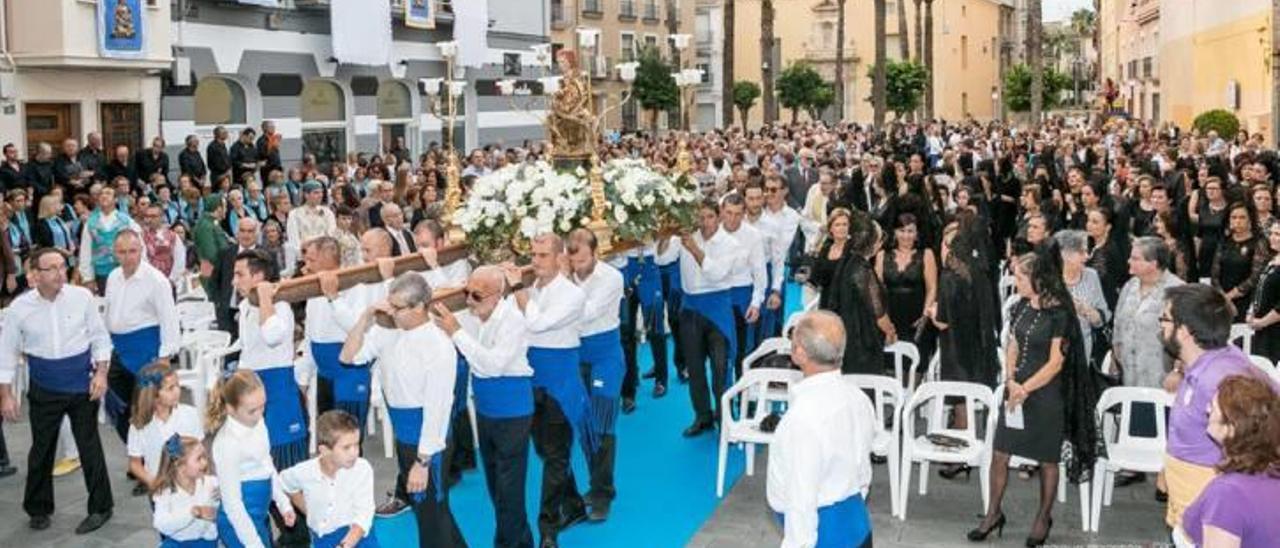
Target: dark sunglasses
474,296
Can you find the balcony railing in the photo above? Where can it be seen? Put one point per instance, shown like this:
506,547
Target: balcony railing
627,9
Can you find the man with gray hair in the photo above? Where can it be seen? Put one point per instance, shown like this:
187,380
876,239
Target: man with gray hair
820,459
417,363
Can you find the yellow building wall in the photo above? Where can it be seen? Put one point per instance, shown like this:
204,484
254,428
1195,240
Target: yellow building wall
1239,51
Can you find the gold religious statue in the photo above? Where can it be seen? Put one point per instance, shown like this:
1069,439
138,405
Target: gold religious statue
572,121
123,28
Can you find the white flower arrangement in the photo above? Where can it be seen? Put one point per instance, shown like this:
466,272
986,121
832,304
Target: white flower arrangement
518,202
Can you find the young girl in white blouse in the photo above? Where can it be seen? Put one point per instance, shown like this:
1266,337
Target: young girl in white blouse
247,477
335,489
185,496
157,416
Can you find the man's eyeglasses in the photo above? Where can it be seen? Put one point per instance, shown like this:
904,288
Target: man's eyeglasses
772,190
474,295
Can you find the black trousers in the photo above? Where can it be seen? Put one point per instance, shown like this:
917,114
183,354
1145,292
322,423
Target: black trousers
4,449
672,296
46,413
742,330
504,450
461,449
553,439
601,463
122,383
700,340
436,526
657,344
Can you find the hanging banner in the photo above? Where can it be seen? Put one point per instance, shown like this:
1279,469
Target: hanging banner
420,14
471,32
361,31
120,28
264,3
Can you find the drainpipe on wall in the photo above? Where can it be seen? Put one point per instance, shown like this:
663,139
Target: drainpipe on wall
4,37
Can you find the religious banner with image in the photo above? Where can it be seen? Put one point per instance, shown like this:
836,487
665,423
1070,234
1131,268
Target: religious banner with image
264,3
420,14
120,28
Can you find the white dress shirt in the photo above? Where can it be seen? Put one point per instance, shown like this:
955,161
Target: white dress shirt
143,300
496,347
417,369
603,306
85,262
553,313
329,321
306,222
66,326
718,257
783,223
266,346
453,274
821,453
172,515
147,442
749,263
333,502
243,453
670,255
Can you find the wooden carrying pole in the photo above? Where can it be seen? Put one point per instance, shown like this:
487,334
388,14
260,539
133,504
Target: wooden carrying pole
299,289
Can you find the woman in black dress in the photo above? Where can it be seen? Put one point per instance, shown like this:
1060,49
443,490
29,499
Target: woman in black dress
1049,392
910,278
1240,259
1109,254
1208,213
854,293
1264,317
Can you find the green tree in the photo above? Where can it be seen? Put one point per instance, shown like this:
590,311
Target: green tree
905,83
1219,120
799,87
745,94
822,99
1017,88
654,89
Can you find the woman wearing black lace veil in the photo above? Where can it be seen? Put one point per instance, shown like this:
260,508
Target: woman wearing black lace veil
856,295
1049,388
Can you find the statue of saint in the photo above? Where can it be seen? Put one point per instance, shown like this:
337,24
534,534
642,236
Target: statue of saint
571,123
123,28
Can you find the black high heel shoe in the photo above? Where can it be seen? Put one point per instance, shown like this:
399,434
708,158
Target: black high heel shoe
953,472
978,535
1033,542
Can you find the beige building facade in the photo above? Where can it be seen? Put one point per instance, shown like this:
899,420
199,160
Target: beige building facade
968,36
626,28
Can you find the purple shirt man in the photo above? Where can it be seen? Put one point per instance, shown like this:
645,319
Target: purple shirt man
1189,439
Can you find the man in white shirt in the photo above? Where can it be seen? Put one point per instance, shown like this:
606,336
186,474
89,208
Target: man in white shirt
266,340
706,314
58,329
643,301
330,317
667,257
784,223
142,320
602,356
417,363
494,339
311,220
748,276
552,309
820,458
428,235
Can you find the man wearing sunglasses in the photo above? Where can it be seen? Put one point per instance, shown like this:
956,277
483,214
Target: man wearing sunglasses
494,339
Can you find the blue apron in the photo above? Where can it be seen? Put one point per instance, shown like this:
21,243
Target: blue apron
557,371
406,427
286,422
770,319
335,537
717,308
844,524
741,297
603,353
398,529
256,495
69,375
138,348
503,397
642,274
166,542
350,381
461,375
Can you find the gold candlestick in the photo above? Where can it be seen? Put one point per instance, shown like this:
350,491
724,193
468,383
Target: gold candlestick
599,208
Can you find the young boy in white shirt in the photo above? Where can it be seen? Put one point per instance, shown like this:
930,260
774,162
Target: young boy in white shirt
335,489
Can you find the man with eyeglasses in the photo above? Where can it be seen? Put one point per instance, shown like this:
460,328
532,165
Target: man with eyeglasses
58,329
417,363
494,339
782,223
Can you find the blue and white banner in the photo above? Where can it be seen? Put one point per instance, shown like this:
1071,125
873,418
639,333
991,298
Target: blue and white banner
120,28
264,3
420,14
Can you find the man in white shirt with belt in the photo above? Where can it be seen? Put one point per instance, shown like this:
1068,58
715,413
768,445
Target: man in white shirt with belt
58,329
784,222
495,340
820,458
330,317
748,277
552,309
417,363
142,320
706,316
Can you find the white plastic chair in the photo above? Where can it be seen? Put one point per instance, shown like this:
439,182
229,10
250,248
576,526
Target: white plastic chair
1242,336
210,368
746,428
193,373
920,449
1016,461
1126,452
1261,362
196,315
886,393
771,345
905,358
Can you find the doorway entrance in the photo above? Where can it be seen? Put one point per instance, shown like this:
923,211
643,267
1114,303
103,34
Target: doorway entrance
51,123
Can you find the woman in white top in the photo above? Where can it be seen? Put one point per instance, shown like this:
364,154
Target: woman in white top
157,416
185,496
